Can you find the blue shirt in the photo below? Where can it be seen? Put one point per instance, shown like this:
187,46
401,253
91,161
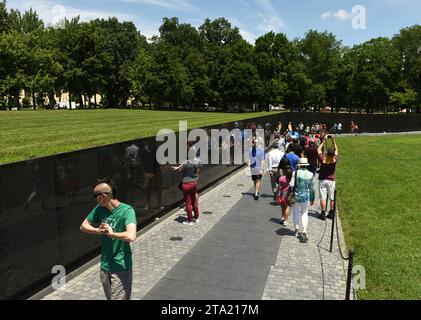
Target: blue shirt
294,133
256,155
293,160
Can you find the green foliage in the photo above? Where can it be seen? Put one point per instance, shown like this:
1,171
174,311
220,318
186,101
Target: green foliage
212,65
3,17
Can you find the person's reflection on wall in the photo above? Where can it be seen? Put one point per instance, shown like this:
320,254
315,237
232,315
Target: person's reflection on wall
132,164
104,161
119,177
39,185
152,177
69,181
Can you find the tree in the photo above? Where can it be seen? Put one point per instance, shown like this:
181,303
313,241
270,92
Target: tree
408,42
28,22
219,32
298,80
119,46
145,84
273,53
375,74
3,17
406,99
321,53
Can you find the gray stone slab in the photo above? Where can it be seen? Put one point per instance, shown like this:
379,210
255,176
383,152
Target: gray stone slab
237,254
224,264
229,257
221,279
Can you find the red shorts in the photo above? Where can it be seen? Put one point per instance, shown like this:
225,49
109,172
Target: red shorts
282,201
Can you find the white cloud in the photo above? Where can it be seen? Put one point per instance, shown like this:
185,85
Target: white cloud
248,36
270,19
51,12
326,15
341,15
181,5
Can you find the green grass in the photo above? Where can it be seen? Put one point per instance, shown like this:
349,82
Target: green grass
379,203
25,135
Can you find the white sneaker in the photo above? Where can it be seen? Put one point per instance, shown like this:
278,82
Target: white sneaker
196,220
188,223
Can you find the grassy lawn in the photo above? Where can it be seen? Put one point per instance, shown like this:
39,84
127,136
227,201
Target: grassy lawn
379,203
39,133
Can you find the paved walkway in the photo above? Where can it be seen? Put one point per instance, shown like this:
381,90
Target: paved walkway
238,251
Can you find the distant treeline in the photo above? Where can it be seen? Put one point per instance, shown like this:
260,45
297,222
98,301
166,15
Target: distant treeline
204,68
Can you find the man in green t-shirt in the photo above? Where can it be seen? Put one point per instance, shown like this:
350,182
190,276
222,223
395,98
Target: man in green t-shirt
116,223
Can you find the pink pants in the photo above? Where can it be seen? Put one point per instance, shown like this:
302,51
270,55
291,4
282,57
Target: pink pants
192,202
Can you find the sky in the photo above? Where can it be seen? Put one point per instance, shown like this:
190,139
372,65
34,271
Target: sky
353,22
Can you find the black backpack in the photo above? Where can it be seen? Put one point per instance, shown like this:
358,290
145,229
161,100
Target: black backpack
284,163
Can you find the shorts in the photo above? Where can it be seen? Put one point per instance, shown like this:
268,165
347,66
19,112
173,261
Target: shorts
327,189
282,201
256,177
117,285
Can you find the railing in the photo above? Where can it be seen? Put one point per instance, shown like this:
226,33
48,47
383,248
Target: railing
349,258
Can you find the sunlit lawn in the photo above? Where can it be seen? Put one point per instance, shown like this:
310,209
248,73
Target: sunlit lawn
379,192
38,133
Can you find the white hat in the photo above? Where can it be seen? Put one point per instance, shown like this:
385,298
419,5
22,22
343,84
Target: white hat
303,162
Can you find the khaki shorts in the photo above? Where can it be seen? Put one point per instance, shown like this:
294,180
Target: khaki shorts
117,285
327,189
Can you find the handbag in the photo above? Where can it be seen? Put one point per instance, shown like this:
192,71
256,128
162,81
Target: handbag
290,197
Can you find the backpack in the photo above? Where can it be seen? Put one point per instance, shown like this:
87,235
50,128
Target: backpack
284,163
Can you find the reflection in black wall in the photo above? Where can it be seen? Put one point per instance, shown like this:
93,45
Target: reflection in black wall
43,201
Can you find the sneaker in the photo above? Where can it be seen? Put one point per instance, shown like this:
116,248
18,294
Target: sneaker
323,216
297,233
283,221
304,237
196,220
188,223
285,224
256,196
330,215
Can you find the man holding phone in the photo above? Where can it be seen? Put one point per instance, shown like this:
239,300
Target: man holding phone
327,178
116,223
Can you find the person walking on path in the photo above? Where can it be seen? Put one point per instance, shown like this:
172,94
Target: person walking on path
116,223
274,157
292,157
327,170
304,196
189,184
256,165
340,128
283,189
311,154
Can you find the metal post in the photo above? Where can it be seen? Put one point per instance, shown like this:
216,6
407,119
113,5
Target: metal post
349,277
333,223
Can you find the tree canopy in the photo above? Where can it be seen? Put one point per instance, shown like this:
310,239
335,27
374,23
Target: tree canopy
209,67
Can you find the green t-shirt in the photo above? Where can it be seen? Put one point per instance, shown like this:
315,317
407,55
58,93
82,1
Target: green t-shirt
116,254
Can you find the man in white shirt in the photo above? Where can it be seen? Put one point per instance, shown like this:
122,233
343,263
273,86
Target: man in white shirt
274,157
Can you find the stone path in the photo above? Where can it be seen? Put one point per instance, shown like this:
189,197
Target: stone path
238,250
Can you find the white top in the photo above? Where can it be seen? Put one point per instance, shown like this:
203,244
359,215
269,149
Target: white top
274,157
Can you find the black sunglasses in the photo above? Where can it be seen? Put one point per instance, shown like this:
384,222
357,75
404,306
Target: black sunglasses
99,193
